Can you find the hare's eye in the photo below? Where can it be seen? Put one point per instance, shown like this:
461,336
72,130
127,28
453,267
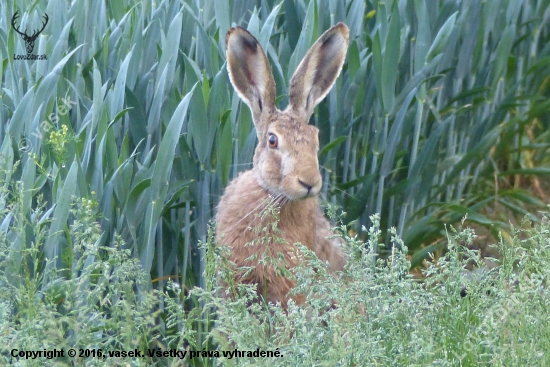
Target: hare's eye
272,140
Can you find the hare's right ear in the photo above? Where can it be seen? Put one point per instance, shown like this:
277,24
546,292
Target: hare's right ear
250,72
318,71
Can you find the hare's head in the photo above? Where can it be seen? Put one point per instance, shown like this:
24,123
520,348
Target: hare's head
285,160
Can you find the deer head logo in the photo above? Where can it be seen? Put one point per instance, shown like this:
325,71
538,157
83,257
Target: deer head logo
29,40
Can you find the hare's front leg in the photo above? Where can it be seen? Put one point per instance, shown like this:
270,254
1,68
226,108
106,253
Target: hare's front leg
325,248
272,286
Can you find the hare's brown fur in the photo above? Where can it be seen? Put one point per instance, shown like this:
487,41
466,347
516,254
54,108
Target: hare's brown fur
285,172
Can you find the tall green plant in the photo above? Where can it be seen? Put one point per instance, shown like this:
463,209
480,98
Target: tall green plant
439,106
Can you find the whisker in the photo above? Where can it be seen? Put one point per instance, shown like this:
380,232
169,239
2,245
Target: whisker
242,164
335,188
274,200
253,210
265,203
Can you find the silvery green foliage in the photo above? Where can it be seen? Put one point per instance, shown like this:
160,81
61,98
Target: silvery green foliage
441,110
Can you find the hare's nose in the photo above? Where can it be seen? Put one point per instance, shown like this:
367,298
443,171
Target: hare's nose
307,186
311,182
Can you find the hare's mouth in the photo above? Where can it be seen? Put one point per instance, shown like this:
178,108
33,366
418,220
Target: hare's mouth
292,188
311,189
285,196
303,189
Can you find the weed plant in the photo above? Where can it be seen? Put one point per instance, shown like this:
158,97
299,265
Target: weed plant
115,149
375,313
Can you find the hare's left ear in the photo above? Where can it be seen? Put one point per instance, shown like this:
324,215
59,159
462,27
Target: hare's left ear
318,71
250,73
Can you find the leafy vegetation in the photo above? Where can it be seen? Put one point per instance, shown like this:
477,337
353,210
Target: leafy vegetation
376,313
115,150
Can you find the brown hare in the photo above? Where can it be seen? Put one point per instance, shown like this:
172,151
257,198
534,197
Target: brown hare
285,172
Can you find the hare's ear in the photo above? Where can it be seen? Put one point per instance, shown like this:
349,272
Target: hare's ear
317,72
250,72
